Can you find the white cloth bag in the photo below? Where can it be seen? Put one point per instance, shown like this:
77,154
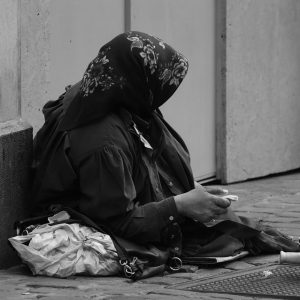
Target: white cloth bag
64,249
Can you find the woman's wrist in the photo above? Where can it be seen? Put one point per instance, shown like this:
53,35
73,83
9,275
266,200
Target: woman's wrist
179,202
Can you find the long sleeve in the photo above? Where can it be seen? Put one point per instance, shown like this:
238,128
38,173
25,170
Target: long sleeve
109,194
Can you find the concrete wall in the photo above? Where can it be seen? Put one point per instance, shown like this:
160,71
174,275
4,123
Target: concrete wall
259,90
189,26
9,60
15,134
58,39
35,60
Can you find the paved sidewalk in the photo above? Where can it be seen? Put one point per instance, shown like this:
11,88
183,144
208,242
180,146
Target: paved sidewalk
274,200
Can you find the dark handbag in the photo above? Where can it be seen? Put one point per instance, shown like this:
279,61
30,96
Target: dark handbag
141,261
137,261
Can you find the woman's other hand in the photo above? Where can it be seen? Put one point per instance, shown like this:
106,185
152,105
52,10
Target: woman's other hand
216,190
200,205
212,189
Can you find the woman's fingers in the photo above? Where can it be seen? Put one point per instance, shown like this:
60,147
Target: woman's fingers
219,211
216,190
220,202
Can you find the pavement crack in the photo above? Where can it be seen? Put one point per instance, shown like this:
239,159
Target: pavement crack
38,286
167,294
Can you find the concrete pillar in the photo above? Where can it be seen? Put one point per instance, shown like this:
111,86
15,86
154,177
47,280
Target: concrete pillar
258,103
15,159
15,134
9,60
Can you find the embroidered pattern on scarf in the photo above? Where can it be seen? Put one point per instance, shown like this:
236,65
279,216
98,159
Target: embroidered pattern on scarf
173,72
100,74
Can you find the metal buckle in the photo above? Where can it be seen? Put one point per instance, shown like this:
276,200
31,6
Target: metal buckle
129,273
123,262
175,263
128,267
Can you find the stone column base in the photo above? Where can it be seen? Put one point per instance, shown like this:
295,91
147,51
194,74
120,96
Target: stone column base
15,161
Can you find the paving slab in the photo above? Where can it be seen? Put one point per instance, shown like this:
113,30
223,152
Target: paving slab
275,200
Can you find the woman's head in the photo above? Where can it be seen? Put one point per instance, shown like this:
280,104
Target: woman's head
134,70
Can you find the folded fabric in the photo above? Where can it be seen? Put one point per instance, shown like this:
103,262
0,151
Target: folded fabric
222,246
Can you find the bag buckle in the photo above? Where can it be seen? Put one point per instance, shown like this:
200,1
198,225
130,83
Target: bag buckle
175,263
128,267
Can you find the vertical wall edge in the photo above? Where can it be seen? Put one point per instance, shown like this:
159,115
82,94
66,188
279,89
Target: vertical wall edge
221,131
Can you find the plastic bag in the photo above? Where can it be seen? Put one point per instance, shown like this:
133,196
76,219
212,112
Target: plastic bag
64,249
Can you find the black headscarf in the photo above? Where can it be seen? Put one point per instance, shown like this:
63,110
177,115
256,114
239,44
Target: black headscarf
135,70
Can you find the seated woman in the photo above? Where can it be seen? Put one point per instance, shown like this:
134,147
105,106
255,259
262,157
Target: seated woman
106,151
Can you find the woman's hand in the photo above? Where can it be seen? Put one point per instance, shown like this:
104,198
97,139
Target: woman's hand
216,190
212,189
200,205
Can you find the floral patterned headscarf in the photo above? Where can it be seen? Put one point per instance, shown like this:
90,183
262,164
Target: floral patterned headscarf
134,70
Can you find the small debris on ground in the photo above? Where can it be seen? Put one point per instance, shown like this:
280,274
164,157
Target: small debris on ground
267,273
